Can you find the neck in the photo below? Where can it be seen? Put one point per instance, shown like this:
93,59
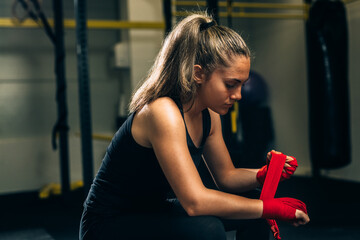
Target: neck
193,109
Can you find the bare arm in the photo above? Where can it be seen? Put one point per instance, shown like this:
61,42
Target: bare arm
165,131
217,156
228,177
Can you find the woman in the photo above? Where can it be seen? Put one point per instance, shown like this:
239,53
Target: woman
148,185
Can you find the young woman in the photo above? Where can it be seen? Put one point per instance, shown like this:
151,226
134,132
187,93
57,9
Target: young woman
148,186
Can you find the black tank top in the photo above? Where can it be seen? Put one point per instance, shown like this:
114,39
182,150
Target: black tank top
130,175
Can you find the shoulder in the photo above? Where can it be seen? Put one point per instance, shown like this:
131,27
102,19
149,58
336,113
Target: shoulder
163,108
163,103
158,118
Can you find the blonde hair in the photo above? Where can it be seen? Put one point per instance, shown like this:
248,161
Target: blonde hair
189,43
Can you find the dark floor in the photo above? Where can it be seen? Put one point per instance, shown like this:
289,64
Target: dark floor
24,216
333,207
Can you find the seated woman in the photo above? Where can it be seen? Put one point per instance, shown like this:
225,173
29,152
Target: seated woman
148,186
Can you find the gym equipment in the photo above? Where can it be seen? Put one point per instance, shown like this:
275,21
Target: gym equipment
167,15
327,55
255,90
256,128
84,95
57,39
247,128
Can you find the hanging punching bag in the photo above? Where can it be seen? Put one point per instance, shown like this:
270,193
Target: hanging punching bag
327,57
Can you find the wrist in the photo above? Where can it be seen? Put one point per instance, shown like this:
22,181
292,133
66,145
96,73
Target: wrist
261,174
276,209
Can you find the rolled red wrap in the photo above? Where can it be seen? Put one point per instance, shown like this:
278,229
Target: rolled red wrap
277,208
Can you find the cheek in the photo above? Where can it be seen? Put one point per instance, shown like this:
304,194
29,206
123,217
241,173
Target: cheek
217,90
214,92
221,94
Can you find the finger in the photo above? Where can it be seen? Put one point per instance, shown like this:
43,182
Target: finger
303,221
301,217
292,162
295,224
269,154
277,152
298,223
284,175
268,157
286,165
290,170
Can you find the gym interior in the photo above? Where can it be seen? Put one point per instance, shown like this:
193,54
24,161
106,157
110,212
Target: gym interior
68,69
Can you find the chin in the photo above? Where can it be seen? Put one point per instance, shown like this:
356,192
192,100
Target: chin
221,111
224,112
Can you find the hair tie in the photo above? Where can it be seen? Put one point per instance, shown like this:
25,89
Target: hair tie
204,26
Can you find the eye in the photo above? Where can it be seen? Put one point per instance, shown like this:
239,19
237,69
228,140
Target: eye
230,86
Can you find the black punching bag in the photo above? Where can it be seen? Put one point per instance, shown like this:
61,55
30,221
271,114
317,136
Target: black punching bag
327,56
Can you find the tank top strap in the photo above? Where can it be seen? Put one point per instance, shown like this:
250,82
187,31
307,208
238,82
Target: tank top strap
206,125
206,121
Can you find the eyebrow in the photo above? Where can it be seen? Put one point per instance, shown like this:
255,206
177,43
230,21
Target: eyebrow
238,80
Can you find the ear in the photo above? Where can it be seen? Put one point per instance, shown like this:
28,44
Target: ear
199,74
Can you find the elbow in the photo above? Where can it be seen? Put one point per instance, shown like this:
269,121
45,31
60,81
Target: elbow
192,210
193,207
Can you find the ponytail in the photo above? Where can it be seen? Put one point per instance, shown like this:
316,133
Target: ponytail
194,40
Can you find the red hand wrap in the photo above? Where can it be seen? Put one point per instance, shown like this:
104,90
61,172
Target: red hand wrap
274,228
276,208
280,208
261,174
289,170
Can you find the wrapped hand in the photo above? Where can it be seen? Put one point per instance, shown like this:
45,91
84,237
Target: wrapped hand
289,168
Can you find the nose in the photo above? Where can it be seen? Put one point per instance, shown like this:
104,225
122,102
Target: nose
236,95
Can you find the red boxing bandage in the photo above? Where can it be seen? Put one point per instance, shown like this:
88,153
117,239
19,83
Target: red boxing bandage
280,208
289,170
261,174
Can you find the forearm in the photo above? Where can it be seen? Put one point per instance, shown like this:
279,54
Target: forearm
239,180
226,205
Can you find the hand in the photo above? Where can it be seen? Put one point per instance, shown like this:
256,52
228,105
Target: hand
286,209
301,218
289,167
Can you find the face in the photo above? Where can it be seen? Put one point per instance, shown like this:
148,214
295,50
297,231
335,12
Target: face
222,88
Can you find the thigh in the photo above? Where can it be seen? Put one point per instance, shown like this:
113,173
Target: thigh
157,226
256,229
